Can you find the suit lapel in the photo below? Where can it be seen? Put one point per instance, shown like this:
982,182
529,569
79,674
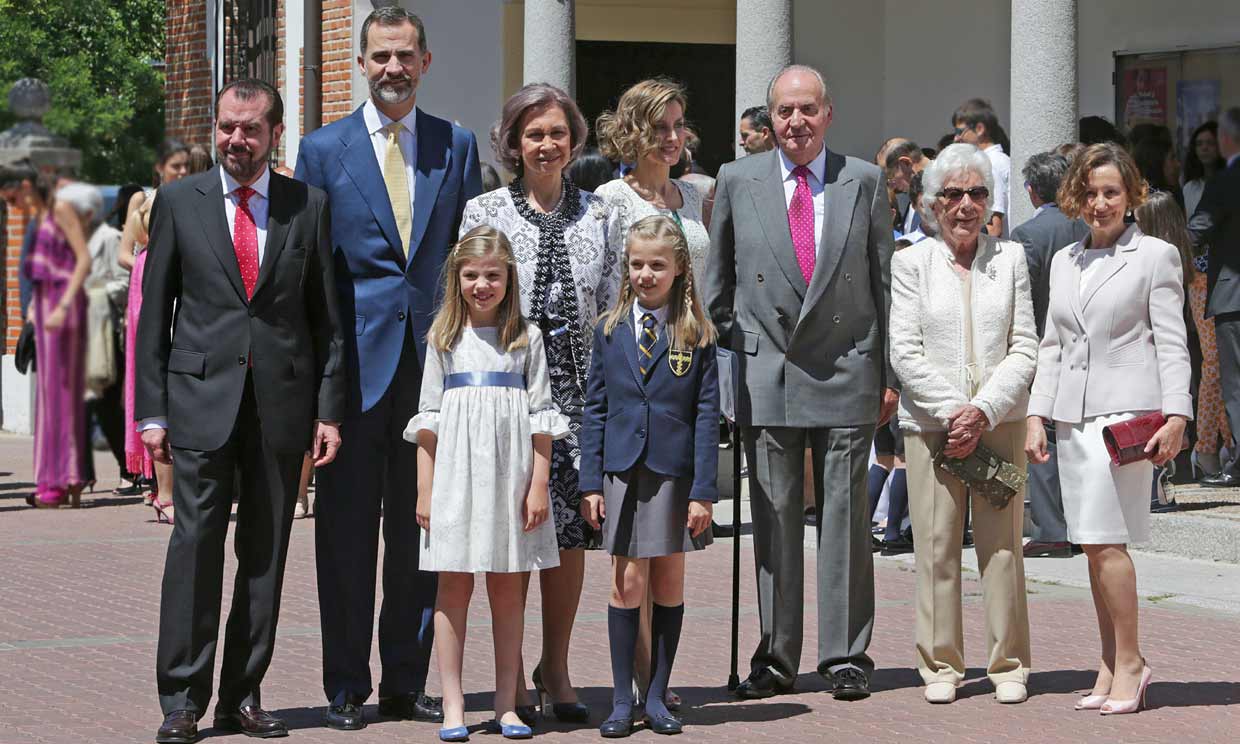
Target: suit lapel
1126,244
628,343
839,197
358,160
1074,297
433,155
278,217
772,208
215,225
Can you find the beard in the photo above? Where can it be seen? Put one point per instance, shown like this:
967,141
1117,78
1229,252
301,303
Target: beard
392,91
242,163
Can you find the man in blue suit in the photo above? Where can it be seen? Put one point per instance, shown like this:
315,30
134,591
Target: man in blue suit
397,181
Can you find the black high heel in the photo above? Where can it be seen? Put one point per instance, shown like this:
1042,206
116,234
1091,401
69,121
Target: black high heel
567,712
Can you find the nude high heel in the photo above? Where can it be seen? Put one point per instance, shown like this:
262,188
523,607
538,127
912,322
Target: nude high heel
1118,707
1091,702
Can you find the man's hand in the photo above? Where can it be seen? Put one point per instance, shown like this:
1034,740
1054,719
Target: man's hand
156,442
891,399
326,442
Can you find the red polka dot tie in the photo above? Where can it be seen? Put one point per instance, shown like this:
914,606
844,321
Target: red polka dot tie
245,240
801,222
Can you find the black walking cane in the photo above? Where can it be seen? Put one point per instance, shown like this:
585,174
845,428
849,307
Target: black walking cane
734,681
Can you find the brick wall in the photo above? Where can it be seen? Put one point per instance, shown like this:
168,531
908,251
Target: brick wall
17,218
187,85
338,59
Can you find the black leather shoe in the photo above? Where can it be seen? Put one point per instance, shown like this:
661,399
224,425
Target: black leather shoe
1047,549
1222,479
664,724
413,706
761,684
251,720
133,489
721,530
346,716
179,727
849,684
616,728
899,546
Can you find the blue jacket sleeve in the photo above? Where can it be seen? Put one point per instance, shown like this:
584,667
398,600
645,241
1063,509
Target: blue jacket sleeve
706,430
594,418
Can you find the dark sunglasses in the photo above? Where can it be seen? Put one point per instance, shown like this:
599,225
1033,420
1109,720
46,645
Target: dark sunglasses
978,194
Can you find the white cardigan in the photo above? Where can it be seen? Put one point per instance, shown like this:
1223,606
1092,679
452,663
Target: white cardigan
927,333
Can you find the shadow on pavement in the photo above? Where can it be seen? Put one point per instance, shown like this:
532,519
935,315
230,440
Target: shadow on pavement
1192,694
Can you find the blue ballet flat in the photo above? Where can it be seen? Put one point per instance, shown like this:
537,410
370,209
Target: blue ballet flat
460,733
516,731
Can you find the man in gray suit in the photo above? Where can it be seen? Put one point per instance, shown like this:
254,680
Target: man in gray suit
1045,233
798,285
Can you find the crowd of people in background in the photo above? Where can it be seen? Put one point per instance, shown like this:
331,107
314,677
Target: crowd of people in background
872,320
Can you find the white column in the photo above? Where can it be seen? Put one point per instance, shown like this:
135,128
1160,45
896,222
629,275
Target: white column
763,47
1044,87
551,44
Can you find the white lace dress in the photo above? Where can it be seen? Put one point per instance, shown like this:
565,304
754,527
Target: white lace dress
484,404
626,207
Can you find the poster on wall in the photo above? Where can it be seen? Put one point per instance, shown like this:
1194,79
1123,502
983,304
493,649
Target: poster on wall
1145,96
1196,102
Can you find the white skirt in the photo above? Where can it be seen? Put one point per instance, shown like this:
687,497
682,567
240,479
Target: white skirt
1103,504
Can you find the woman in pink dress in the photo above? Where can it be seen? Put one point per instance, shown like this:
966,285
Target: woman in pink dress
172,164
57,266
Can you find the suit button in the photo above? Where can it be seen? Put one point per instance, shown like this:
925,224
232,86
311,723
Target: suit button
835,319
400,315
848,277
641,433
241,360
761,278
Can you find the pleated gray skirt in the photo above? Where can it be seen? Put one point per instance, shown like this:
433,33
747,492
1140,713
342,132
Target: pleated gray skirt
646,515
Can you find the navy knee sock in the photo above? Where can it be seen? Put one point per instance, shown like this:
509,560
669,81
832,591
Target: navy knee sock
622,637
897,507
665,625
874,486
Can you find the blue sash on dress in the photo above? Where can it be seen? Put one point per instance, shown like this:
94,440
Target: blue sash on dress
484,379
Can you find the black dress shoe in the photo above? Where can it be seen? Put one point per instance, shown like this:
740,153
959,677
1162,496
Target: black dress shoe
761,684
251,720
616,728
347,716
1047,549
849,684
899,546
1221,479
413,706
721,530
664,724
179,727
133,489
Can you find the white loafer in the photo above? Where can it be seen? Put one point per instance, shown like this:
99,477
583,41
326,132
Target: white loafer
1011,692
940,693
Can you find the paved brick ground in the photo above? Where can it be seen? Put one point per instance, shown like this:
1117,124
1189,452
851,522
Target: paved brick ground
80,601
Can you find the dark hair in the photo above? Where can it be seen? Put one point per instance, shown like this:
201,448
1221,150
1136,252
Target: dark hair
506,133
1044,172
490,178
393,15
1193,167
979,111
1151,153
902,149
1094,129
199,159
120,208
915,187
247,89
929,152
946,141
759,117
169,147
591,170
1162,217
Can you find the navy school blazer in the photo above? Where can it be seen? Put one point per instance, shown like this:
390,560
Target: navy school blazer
669,423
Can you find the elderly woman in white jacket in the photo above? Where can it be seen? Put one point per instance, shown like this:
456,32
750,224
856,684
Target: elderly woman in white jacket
964,345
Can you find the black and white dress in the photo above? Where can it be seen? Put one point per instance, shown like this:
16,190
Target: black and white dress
568,277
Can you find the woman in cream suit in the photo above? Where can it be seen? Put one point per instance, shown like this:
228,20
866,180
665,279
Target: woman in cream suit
964,345
1114,348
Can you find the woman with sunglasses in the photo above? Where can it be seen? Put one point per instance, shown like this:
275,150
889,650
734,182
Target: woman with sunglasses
964,345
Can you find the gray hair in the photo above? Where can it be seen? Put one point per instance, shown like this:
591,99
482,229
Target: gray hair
954,160
1043,173
770,88
1229,122
506,133
85,199
393,15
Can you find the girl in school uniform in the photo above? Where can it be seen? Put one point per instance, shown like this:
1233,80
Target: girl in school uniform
484,428
649,452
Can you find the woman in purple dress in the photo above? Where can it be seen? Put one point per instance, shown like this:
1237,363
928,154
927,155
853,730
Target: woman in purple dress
57,266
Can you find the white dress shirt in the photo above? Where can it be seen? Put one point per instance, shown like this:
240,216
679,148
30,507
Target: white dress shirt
260,206
1001,171
817,177
660,318
376,120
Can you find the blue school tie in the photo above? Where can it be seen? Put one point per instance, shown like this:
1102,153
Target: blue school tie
646,345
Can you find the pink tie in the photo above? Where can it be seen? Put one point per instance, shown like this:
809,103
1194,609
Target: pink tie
245,241
801,222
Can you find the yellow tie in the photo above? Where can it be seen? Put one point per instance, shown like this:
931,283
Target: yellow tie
397,182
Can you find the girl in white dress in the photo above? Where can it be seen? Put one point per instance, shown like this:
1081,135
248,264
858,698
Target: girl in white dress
483,505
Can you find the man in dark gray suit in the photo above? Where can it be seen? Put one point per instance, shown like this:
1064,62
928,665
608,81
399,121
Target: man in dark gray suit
1216,224
1044,234
798,285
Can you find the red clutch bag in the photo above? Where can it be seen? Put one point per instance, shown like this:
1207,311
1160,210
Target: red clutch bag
1126,440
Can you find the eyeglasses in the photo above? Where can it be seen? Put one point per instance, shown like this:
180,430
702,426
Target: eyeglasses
962,130
978,194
